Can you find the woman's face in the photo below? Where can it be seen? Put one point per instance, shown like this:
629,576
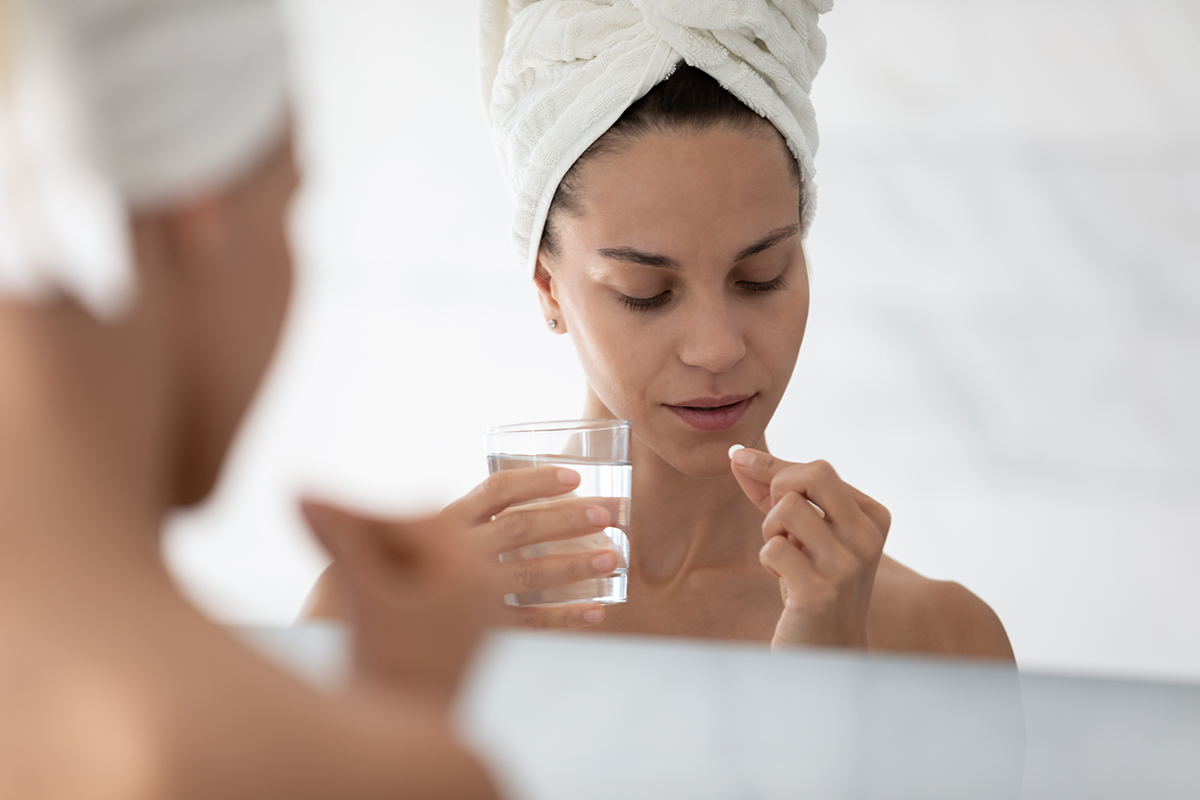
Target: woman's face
683,285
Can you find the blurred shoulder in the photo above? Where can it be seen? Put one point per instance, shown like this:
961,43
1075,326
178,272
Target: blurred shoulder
914,614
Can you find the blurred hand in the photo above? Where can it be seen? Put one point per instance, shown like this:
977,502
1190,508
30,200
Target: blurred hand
481,526
415,595
824,539
497,528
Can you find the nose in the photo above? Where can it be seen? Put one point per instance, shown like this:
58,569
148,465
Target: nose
712,338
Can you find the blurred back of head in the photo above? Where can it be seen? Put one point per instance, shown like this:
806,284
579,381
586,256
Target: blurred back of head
62,223
188,94
115,106
144,180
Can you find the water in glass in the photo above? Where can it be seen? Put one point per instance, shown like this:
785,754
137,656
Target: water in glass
601,483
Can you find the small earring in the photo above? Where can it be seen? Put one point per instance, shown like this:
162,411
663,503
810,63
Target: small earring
553,323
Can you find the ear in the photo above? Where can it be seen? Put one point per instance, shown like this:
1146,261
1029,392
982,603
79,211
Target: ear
543,279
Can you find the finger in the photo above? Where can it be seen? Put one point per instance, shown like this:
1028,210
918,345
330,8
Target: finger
784,560
578,615
377,555
820,484
328,523
505,488
357,552
754,470
874,510
373,552
326,600
519,527
865,535
337,527
794,516
548,572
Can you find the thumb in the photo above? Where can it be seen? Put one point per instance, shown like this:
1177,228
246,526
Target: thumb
330,525
754,471
358,543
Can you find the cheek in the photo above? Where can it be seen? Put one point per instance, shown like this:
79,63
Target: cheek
619,356
260,285
241,304
274,286
780,339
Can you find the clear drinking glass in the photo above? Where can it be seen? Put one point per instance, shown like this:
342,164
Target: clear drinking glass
598,449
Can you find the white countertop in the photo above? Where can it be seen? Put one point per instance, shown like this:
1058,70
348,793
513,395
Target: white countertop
570,716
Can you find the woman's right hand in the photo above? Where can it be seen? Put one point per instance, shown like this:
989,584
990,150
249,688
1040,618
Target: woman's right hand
489,527
496,527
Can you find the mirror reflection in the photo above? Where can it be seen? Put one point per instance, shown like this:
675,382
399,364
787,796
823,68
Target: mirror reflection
672,255
997,350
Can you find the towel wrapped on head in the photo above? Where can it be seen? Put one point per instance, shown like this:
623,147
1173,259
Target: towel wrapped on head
559,73
112,106
188,94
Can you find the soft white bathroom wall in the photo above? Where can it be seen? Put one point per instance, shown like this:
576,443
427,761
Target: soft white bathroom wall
1004,344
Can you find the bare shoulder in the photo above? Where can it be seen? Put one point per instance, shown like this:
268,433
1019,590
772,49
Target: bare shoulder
914,614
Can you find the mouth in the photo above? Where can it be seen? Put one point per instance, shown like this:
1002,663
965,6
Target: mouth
713,413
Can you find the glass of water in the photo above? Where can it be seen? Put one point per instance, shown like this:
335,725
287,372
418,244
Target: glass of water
598,449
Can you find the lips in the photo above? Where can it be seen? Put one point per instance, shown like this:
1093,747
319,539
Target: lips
712,413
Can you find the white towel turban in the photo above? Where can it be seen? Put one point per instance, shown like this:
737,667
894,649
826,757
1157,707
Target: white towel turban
559,73
108,106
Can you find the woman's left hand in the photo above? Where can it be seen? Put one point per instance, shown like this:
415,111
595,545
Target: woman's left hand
417,599
824,539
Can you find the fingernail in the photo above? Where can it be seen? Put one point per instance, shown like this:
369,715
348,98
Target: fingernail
594,615
568,477
605,562
597,515
743,458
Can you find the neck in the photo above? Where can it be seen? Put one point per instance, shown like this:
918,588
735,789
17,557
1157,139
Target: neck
682,524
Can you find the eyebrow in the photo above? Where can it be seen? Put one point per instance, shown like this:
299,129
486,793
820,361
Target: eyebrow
773,238
638,257
633,256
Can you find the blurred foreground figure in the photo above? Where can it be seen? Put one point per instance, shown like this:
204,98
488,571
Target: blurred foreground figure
145,174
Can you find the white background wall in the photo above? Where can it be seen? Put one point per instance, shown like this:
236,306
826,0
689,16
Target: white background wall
1005,338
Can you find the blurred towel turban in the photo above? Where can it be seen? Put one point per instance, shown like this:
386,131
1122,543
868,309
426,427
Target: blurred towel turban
558,73
108,106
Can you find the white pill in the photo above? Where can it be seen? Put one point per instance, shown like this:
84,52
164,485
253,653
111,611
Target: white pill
735,448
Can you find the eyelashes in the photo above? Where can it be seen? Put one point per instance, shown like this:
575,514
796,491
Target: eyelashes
765,286
645,303
649,303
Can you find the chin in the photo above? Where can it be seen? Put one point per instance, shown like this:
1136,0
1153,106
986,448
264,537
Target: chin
697,453
699,460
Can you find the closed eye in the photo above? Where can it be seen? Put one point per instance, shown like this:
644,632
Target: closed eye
645,303
764,286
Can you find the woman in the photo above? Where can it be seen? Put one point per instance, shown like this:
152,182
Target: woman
662,219
123,376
